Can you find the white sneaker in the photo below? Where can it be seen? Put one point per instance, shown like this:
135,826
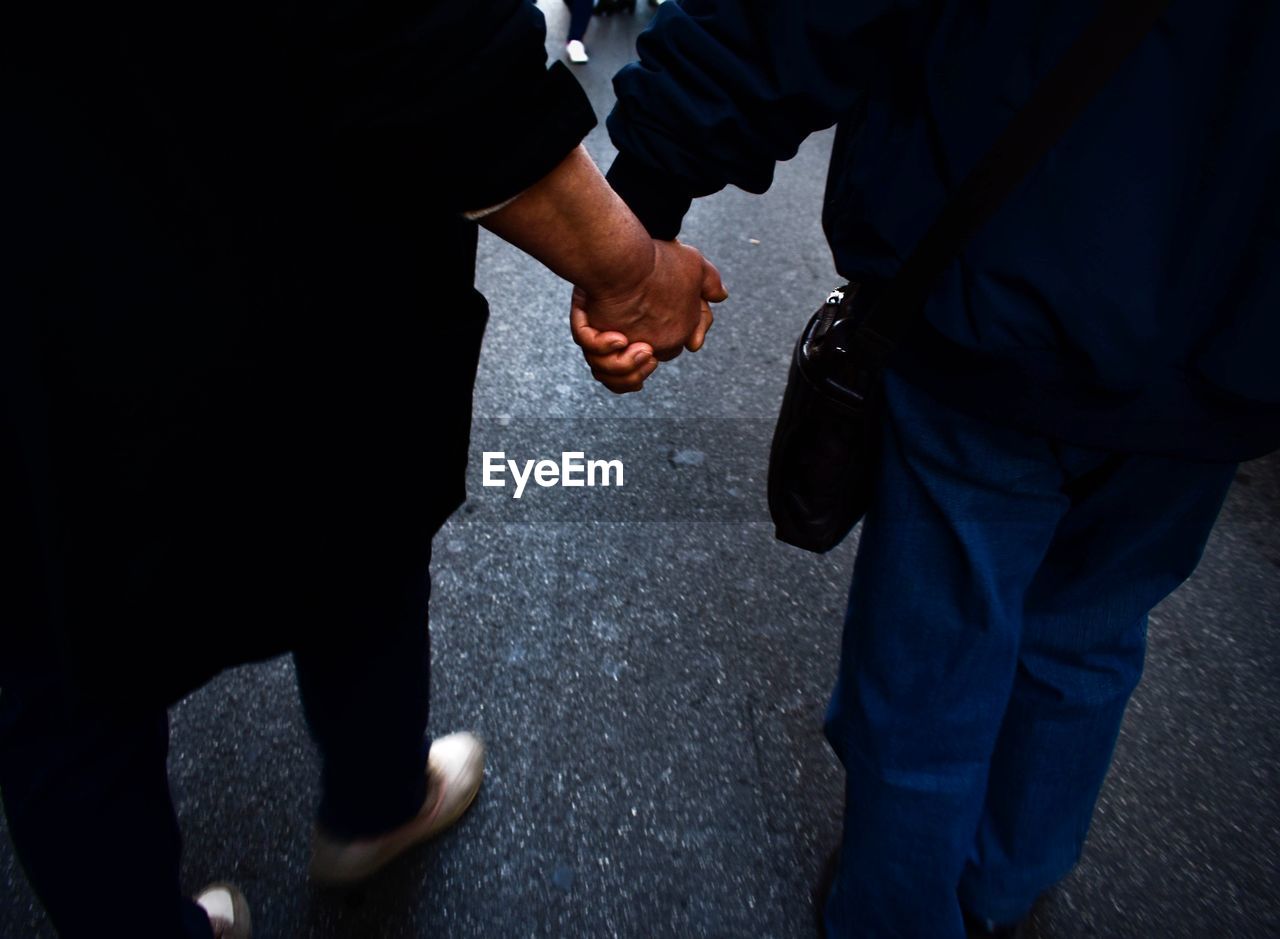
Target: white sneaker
577,52
455,768
227,911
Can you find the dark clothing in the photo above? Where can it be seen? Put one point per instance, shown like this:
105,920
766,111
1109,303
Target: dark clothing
366,696
236,358
87,800
996,628
89,813
240,333
1057,440
579,18
1125,297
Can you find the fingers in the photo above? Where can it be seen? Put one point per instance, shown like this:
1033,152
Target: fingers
632,380
634,358
619,366
713,291
712,286
597,342
592,340
623,371
607,350
699,334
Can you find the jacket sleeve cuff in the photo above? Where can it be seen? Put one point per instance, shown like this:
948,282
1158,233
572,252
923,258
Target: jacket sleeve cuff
660,201
543,136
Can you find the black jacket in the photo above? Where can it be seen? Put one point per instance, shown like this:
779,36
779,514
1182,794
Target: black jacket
1127,296
239,330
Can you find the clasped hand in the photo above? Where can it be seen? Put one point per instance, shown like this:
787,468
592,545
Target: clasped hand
624,334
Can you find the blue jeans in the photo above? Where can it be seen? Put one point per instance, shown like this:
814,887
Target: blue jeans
87,795
996,628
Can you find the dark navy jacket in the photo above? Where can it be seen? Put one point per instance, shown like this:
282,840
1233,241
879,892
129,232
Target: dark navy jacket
239,331
1127,296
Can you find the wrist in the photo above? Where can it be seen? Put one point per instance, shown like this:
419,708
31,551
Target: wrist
622,267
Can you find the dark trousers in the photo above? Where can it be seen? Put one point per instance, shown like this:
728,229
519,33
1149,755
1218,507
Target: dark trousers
87,797
579,18
996,628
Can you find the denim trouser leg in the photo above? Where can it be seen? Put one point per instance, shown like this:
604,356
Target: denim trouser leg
1136,530
366,694
967,540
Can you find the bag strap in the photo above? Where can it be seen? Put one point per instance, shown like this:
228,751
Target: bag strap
1062,95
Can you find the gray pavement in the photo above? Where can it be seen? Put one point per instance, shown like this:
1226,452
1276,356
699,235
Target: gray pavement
650,672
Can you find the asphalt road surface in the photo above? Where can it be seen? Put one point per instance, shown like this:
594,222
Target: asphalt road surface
650,668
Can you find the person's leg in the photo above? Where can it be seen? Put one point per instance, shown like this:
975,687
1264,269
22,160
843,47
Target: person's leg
365,689
90,816
86,795
579,18
1135,531
963,514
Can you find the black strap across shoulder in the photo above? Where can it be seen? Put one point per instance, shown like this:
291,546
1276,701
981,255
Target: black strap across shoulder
1062,95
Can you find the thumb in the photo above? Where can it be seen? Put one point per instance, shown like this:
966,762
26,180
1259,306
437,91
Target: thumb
712,286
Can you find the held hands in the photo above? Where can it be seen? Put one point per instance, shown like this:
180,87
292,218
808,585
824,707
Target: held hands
637,301
625,334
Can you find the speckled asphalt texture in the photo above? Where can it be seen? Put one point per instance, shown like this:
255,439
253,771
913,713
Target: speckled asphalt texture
650,674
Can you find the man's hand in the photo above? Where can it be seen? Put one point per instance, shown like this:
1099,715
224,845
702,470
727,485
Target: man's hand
624,335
